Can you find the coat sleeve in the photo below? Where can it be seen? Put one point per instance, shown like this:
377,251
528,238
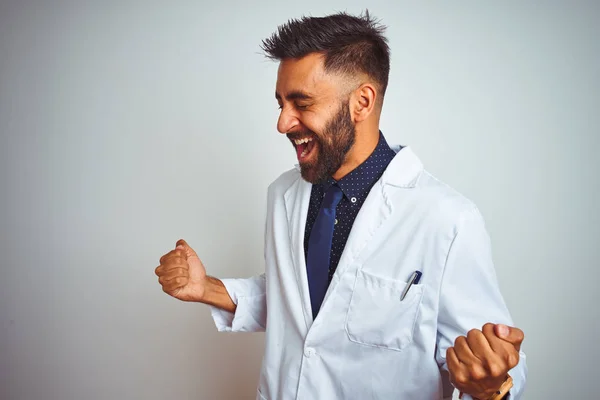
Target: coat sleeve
249,295
470,295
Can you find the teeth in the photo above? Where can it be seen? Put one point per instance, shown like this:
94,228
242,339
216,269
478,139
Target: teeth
304,140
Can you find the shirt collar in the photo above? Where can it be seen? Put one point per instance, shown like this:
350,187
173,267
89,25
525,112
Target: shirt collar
358,183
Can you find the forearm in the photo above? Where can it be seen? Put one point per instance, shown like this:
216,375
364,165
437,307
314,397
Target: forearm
248,313
215,294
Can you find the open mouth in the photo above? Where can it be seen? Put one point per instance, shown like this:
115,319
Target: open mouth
304,148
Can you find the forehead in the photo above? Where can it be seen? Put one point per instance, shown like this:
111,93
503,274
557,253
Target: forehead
306,74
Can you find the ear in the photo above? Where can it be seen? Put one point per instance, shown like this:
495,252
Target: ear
363,102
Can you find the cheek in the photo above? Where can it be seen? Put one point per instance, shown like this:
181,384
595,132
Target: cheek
314,125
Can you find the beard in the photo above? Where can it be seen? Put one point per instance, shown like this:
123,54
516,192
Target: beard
334,143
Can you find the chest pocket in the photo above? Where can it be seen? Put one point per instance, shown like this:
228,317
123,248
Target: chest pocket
376,316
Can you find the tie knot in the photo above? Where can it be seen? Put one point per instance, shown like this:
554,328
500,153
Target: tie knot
332,197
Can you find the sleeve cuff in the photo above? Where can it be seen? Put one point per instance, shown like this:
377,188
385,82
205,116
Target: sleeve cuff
244,319
223,319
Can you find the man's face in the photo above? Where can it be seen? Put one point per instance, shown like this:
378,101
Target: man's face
315,116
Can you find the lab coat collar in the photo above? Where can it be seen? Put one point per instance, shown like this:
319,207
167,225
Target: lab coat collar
405,169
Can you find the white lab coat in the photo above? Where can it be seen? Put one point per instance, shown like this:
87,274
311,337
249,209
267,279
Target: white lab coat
365,343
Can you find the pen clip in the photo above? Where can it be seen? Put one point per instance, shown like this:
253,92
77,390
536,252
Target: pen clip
414,279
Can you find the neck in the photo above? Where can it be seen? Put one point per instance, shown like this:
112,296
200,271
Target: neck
366,141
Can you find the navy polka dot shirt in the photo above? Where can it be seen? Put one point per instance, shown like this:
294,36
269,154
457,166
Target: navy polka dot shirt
355,186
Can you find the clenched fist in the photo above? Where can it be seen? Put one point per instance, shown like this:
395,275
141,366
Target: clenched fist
479,362
182,274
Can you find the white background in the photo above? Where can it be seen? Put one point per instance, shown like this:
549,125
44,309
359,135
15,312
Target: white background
125,126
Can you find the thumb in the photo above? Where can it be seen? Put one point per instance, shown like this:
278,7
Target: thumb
510,334
182,244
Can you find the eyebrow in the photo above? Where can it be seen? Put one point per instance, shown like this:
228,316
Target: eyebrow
295,95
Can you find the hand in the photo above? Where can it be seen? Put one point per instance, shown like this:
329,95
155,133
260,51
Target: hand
182,274
479,363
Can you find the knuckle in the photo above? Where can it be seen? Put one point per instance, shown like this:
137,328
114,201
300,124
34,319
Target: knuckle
473,336
164,268
461,340
512,359
496,370
488,327
489,334
461,378
477,373
450,352
473,333
176,271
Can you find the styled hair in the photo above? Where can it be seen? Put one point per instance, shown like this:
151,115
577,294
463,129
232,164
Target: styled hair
350,44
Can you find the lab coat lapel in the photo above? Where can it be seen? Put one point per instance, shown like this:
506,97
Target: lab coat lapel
296,200
373,213
402,173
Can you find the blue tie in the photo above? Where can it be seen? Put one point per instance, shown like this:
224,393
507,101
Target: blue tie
319,248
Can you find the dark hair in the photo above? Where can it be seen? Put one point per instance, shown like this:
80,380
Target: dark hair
350,44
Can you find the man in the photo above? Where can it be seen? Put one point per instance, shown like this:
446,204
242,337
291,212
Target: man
378,277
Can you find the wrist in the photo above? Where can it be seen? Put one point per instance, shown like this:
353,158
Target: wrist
215,294
207,290
502,393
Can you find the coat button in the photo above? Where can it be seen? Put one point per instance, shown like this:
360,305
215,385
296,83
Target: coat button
308,352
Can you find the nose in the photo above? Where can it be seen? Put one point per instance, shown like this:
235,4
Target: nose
287,120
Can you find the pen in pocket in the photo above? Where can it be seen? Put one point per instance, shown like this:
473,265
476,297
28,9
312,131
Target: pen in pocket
414,279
